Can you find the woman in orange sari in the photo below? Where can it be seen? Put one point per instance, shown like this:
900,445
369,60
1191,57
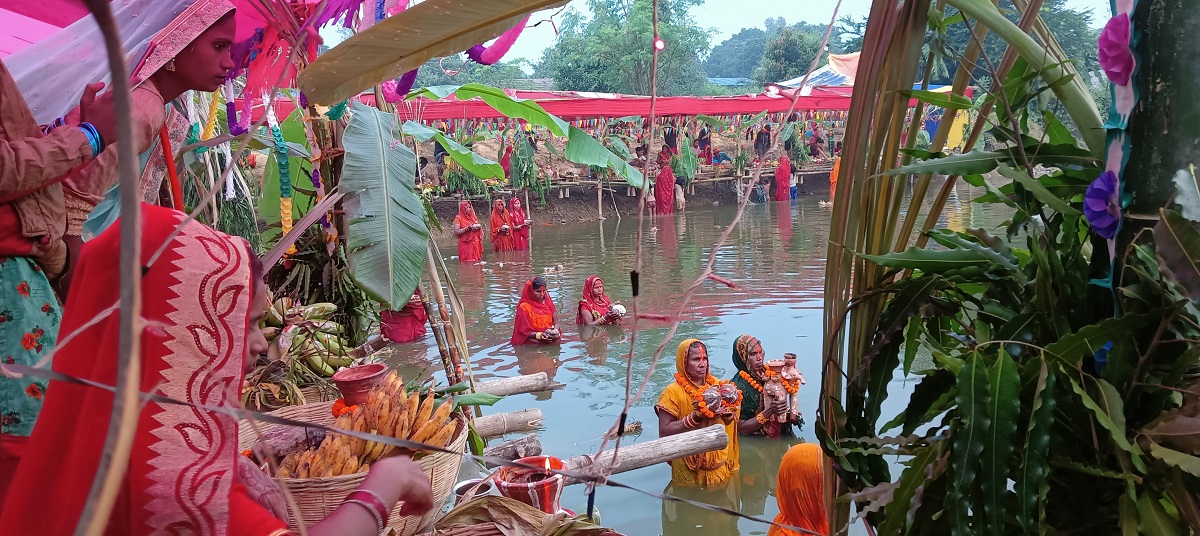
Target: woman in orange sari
833,177
502,227
521,222
469,232
801,491
202,301
536,320
678,411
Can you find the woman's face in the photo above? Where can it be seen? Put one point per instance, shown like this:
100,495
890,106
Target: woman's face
598,289
516,204
256,342
696,363
539,293
498,205
754,358
204,64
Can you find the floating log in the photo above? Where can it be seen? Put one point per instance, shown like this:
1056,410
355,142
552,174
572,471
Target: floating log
504,423
531,383
657,451
529,445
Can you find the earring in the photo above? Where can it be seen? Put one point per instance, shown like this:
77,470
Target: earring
170,66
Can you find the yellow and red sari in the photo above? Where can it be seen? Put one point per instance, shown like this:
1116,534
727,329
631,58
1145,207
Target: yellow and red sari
711,468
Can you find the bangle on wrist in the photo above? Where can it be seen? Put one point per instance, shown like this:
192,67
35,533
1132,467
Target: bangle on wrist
373,503
93,137
762,419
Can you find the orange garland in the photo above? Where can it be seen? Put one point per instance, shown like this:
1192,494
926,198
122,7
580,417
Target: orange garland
790,387
340,408
698,394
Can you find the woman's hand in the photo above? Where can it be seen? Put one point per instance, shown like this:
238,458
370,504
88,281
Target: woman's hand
779,406
405,480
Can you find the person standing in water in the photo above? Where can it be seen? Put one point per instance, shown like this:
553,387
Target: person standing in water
521,224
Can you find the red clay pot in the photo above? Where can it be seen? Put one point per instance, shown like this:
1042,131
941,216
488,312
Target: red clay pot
355,382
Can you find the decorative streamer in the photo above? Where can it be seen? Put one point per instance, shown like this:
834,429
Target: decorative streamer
231,116
285,173
337,110
210,124
494,53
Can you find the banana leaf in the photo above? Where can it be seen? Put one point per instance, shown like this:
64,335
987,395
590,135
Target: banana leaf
404,42
512,107
388,234
586,150
477,165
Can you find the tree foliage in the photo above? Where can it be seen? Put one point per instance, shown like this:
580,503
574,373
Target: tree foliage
789,54
457,70
612,50
737,56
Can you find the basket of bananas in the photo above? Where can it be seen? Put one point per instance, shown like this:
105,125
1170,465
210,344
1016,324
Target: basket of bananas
320,477
306,347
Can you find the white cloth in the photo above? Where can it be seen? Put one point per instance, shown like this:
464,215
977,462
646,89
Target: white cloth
52,72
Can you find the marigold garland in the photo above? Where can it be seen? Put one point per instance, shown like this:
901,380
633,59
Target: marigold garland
698,394
340,408
791,386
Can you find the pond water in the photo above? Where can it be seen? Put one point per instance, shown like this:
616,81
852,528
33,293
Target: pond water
776,257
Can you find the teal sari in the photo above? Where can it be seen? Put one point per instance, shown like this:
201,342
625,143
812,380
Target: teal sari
751,397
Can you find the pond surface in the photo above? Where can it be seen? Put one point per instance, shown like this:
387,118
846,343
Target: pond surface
775,256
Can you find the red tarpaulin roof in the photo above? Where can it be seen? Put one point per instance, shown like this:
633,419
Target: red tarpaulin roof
574,105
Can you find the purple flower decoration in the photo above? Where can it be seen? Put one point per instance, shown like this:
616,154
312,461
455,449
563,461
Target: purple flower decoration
476,54
1101,205
1115,56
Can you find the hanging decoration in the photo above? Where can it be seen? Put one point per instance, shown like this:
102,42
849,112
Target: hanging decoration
491,54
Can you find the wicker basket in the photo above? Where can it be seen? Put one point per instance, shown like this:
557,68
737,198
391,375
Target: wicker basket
319,497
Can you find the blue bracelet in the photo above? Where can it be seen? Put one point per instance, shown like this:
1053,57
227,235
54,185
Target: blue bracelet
94,138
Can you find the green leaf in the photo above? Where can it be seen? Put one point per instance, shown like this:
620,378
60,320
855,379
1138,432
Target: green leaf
1186,462
1004,406
1177,242
476,399
948,101
470,161
586,150
972,163
896,515
955,240
460,387
387,238
1056,131
1032,480
1110,414
973,400
512,107
475,441
1153,519
711,121
1087,340
1038,190
912,341
931,260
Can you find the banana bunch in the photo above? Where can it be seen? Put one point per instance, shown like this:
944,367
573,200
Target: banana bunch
305,333
389,411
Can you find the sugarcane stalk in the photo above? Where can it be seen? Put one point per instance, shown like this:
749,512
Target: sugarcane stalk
443,316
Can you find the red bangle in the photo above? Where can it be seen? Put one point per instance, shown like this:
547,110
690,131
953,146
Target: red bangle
374,500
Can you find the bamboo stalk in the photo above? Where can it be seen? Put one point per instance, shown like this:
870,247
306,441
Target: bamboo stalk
118,442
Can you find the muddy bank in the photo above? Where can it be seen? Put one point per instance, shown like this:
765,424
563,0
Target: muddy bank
581,205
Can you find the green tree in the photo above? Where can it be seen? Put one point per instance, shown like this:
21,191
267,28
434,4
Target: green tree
612,50
851,31
788,55
737,56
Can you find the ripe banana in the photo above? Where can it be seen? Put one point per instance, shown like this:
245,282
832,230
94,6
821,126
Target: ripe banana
414,404
423,413
442,437
436,422
351,466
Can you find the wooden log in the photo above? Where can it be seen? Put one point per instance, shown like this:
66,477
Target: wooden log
531,383
659,450
529,445
504,423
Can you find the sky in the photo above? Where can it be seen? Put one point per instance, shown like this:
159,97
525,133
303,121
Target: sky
726,17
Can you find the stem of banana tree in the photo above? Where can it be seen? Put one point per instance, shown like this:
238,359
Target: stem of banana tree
1079,104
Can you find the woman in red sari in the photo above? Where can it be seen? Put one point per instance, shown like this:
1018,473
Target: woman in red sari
522,222
201,301
502,227
595,308
407,324
469,233
664,186
536,321
506,162
783,178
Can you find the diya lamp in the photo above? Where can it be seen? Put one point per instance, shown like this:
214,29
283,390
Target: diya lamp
540,488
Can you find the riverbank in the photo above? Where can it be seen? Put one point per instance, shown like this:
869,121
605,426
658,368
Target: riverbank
581,205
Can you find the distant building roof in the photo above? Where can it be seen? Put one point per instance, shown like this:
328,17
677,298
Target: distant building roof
731,82
534,84
823,77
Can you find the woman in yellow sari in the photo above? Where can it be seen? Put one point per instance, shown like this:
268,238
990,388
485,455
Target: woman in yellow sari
678,412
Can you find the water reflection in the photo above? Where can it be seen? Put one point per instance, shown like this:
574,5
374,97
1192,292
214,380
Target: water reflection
776,259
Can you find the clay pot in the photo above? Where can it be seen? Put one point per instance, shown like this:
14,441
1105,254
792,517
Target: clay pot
355,382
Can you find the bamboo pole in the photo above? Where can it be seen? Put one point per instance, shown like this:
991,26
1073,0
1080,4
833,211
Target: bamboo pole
122,424
531,383
498,424
663,449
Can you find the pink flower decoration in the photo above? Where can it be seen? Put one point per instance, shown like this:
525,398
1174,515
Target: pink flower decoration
1115,56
